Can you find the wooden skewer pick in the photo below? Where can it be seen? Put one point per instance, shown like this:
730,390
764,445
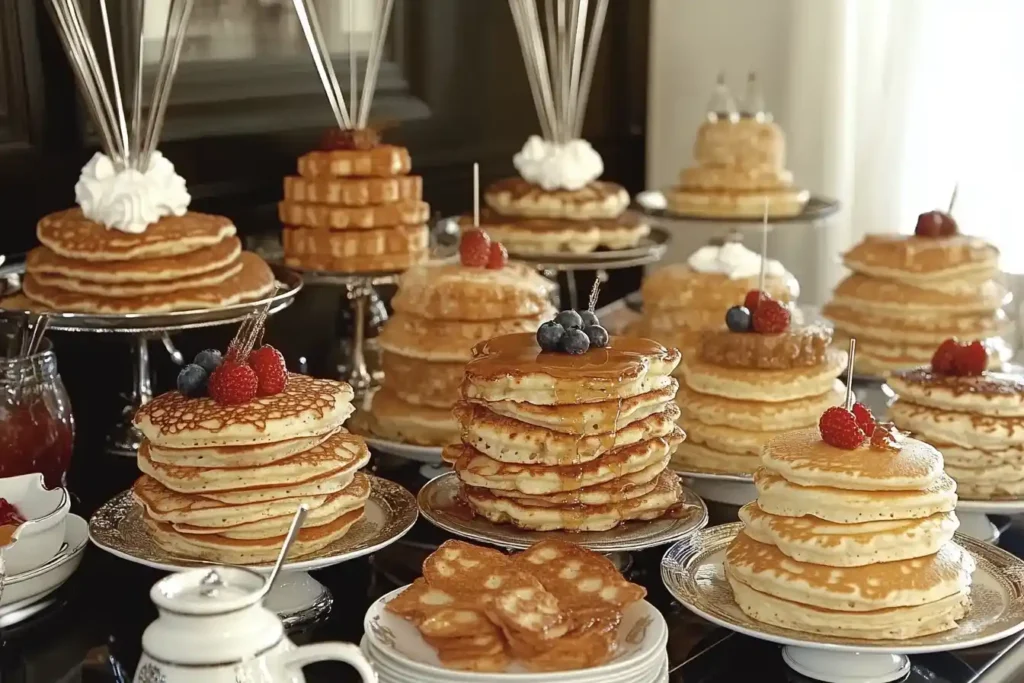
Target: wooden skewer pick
592,303
476,195
849,376
764,251
952,200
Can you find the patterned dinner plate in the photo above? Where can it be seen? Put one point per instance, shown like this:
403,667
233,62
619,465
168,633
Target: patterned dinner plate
693,572
118,528
440,504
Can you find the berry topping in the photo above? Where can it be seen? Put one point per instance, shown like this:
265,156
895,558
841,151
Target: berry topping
233,383
935,224
208,360
597,335
549,336
753,298
738,319
498,258
271,371
944,357
337,139
192,380
475,248
960,359
589,318
865,420
570,320
885,437
575,341
838,427
771,317
9,514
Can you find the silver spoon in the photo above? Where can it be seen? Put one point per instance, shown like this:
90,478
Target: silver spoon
300,517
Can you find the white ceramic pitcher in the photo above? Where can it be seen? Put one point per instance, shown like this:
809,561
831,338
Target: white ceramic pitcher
213,628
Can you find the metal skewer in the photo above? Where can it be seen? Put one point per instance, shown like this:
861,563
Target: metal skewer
764,251
952,199
476,195
849,376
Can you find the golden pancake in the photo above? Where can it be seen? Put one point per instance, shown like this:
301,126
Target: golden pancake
921,260
211,278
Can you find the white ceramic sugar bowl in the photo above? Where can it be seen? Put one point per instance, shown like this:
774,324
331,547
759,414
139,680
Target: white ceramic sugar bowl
213,628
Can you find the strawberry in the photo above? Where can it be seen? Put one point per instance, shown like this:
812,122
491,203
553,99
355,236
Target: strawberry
971,359
771,317
753,298
475,248
498,257
233,383
885,437
944,357
271,371
865,420
838,427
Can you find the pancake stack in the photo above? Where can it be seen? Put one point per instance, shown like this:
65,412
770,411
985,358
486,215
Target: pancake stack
441,311
192,261
354,208
740,390
581,442
977,422
851,542
681,301
222,482
907,293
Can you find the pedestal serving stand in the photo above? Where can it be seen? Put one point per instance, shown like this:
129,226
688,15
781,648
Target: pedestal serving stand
141,329
815,212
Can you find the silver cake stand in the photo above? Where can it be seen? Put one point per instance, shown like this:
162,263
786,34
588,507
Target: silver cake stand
818,208
124,438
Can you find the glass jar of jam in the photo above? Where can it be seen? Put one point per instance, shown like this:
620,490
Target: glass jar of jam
36,426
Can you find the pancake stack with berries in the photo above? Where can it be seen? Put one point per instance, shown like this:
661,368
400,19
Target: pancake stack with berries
751,382
907,293
354,208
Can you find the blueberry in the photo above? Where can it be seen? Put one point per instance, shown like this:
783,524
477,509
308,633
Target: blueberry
589,318
570,320
575,342
208,360
192,380
549,334
737,319
597,335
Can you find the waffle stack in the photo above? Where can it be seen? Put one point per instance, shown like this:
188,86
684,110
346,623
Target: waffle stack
558,441
192,261
681,301
908,293
441,311
742,389
354,208
852,543
221,483
975,421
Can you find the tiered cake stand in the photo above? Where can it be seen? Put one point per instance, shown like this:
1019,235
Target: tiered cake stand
815,212
124,438
693,572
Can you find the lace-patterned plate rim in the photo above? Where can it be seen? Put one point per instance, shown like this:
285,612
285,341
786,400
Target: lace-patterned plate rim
117,527
692,572
437,500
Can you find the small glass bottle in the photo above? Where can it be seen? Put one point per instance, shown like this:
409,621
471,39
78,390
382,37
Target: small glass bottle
752,106
722,106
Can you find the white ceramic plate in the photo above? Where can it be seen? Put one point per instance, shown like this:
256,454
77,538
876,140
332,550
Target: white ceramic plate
399,647
430,455
21,590
991,507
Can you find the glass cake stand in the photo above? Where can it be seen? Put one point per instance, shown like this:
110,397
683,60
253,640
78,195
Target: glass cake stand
142,328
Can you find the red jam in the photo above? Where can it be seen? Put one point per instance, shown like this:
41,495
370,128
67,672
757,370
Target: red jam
10,520
36,438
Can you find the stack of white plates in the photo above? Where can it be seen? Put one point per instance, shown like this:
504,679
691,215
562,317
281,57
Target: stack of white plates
398,652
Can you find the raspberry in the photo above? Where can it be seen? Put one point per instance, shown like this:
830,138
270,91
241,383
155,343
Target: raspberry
838,427
865,420
970,360
475,248
944,357
233,383
771,317
498,257
753,298
885,437
271,371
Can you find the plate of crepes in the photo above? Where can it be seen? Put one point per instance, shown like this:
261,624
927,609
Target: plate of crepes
554,612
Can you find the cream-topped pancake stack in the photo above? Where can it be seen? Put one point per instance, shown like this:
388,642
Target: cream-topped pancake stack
747,384
441,311
976,420
577,437
908,293
223,473
851,536
681,301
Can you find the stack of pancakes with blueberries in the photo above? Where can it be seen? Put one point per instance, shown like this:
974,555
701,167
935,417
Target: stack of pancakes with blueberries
851,535
746,384
568,428
441,311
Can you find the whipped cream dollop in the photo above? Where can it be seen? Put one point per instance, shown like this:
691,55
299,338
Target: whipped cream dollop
558,166
734,260
129,200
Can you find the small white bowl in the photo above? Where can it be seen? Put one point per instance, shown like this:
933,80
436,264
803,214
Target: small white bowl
39,538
